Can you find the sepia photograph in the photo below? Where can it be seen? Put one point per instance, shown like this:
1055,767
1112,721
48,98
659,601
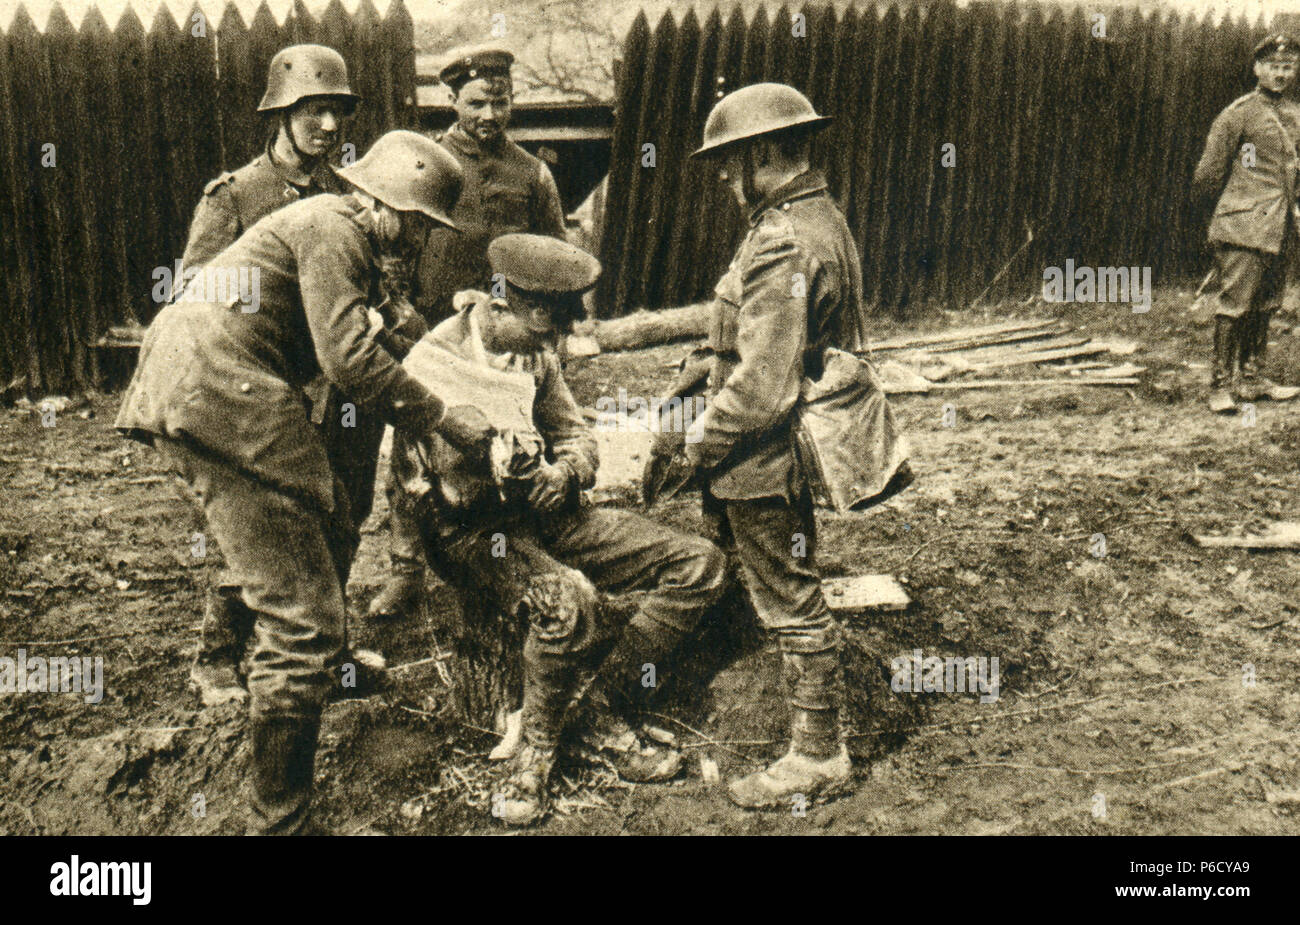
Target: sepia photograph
661,418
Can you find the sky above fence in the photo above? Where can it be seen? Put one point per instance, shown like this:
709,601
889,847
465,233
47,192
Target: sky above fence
444,13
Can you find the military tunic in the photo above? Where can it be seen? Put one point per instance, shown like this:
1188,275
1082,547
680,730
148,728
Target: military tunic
1250,160
220,391
793,289
237,200
506,190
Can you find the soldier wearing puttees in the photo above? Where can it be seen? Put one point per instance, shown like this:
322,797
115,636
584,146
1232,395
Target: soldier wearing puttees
308,93
678,575
506,190
793,289
218,391
1252,163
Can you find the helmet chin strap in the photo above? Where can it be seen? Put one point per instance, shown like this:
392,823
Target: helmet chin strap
748,186
305,161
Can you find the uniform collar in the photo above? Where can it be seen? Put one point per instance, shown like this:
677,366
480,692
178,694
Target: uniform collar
302,180
808,183
463,143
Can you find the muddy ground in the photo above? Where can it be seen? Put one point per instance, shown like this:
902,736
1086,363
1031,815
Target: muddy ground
1124,704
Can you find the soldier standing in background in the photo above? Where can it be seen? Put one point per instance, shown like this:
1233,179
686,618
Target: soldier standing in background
218,391
308,91
307,88
1252,146
794,288
506,190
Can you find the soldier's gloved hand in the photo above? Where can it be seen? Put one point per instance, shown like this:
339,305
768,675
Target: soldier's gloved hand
551,487
467,430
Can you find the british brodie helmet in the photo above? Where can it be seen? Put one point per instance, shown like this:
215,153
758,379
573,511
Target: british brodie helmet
759,109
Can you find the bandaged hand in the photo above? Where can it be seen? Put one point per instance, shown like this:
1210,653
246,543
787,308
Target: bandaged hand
551,487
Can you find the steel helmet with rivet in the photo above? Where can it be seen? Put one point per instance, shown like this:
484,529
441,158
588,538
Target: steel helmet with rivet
302,71
409,172
759,109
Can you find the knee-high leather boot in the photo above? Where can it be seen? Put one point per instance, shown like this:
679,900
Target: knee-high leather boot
284,759
1224,365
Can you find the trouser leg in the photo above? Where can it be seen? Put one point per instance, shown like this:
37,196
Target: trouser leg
405,580
786,591
290,560
785,588
227,624
1241,272
677,575
775,544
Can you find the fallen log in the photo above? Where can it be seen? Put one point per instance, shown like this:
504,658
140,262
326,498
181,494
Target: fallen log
648,328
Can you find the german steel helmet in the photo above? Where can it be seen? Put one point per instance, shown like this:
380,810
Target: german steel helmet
758,109
300,71
411,173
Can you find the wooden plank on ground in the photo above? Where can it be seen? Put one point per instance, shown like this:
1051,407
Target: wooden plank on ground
906,341
1040,356
1025,383
857,593
1014,337
1282,535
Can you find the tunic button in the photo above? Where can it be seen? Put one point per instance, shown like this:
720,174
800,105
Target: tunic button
245,387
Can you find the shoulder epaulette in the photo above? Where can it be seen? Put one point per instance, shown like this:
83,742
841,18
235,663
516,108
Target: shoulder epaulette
219,182
1239,100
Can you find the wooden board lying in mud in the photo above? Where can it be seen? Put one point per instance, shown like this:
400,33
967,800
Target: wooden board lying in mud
856,593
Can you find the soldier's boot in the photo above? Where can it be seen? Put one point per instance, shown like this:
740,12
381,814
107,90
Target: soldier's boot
605,732
227,624
1253,386
817,765
1221,376
284,759
524,797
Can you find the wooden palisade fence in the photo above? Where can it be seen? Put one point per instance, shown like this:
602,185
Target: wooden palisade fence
1089,141
139,119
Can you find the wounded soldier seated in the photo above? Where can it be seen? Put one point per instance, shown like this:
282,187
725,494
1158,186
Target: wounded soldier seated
501,353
